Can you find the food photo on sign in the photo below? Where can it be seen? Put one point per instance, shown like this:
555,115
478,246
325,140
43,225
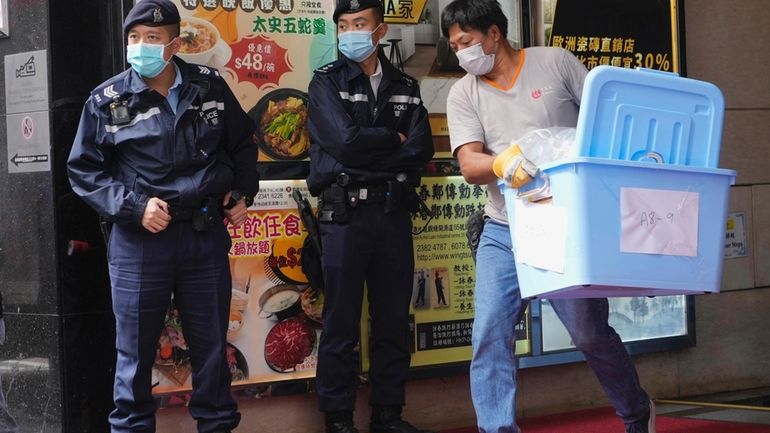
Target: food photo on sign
281,118
275,316
283,319
202,44
266,52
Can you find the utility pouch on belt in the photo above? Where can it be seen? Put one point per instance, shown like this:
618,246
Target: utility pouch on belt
412,201
393,195
474,226
206,215
334,204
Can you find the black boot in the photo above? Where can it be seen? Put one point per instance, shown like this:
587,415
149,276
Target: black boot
340,422
387,419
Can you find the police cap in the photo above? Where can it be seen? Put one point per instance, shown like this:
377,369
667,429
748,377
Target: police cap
151,13
353,6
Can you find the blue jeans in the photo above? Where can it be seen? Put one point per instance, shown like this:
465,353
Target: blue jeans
499,308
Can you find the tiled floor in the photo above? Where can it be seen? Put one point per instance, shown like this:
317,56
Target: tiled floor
750,406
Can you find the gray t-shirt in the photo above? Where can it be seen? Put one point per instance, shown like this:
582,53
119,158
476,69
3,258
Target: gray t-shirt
545,92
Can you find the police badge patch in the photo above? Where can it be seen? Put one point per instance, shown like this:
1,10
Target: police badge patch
354,4
157,17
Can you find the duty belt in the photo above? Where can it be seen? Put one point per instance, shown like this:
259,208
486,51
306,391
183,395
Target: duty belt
205,215
181,213
336,201
366,193
358,194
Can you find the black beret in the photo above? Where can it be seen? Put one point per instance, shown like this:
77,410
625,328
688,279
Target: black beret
151,13
353,6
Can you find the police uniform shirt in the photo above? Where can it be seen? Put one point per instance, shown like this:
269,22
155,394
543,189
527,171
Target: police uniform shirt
353,131
376,78
204,150
173,91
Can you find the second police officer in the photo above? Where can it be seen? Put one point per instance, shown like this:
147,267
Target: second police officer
370,139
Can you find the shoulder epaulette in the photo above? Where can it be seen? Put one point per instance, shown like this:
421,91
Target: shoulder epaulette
203,70
329,67
408,79
106,92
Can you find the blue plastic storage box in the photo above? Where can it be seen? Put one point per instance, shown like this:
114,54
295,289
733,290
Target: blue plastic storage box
649,115
642,211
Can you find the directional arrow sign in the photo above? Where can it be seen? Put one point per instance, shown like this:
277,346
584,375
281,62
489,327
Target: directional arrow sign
29,142
27,159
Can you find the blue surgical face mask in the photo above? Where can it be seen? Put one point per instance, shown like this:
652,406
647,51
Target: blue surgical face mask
147,59
357,45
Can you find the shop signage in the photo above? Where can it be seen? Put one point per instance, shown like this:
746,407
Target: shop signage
640,33
403,11
444,277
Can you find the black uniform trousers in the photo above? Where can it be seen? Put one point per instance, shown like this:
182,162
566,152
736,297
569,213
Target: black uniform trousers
373,248
145,269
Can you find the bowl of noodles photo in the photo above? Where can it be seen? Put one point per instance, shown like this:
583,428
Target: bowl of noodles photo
201,43
281,118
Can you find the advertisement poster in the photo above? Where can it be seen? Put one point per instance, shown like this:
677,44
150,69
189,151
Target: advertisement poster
640,33
444,277
266,50
274,319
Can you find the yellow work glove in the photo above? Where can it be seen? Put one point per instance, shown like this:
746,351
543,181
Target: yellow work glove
512,167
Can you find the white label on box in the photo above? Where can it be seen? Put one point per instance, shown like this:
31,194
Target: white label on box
540,233
655,221
735,236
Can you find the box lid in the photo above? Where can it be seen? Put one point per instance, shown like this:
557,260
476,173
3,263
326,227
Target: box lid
649,115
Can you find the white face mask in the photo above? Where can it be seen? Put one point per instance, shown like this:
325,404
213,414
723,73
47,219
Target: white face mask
475,61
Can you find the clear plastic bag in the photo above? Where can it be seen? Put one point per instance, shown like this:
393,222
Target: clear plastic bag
542,146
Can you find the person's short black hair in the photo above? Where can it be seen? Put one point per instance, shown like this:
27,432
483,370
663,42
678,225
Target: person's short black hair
379,15
474,15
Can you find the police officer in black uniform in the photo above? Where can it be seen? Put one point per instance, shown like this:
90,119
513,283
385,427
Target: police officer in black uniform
370,137
164,152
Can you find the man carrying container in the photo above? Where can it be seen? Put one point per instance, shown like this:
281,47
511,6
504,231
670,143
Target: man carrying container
507,93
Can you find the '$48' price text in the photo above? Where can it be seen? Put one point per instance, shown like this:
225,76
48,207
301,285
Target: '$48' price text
251,61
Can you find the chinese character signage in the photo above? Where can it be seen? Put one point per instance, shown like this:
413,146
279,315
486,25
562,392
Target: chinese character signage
403,11
444,276
631,34
267,51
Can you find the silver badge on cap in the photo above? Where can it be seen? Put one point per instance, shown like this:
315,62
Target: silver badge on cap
354,4
157,17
